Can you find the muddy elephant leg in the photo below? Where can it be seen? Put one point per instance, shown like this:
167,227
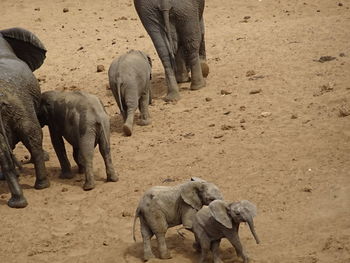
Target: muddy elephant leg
86,151
181,68
60,149
143,107
147,234
17,199
78,160
236,243
215,250
32,138
105,150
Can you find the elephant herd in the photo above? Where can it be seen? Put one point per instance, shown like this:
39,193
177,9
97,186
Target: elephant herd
177,32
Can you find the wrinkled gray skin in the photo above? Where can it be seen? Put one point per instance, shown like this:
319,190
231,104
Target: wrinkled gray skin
221,220
129,78
81,119
176,28
19,102
162,207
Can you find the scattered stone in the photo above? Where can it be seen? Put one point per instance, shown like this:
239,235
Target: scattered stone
208,99
246,17
81,48
225,92
100,68
65,10
242,121
64,189
212,125
142,36
344,111
105,243
126,214
266,114
226,127
114,42
294,116
188,135
242,108
325,59
168,180
250,73
255,91
340,4
37,9
256,77
243,127
227,112
218,136
342,55
3,196
307,189
121,18
324,89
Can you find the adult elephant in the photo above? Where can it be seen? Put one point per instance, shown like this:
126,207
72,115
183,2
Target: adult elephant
21,52
177,31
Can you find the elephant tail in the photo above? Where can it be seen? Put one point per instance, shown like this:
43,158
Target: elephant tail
137,214
119,95
165,9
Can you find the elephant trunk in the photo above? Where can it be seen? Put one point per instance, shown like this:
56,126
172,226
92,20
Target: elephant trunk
252,229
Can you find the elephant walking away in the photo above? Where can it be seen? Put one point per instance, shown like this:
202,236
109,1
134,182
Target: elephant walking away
221,220
176,28
130,81
21,52
81,119
162,207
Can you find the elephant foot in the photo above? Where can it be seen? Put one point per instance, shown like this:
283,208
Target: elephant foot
66,175
112,178
197,85
148,256
41,184
205,69
127,130
165,255
145,122
172,96
17,202
182,78
88,186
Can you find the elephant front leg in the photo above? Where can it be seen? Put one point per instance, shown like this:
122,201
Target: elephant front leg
197,80
181,68
215,249
236,243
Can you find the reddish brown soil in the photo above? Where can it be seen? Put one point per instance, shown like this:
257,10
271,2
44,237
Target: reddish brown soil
286,147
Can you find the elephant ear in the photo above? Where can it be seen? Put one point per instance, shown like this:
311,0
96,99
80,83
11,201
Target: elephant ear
190,194
26,46
218,209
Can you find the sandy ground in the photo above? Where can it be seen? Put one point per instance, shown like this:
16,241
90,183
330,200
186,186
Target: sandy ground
270,127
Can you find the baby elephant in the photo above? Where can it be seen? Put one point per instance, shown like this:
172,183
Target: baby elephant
81,119
162,207
219,220
129,79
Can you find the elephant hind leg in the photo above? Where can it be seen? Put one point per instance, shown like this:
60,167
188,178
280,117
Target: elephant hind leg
147,234
86,151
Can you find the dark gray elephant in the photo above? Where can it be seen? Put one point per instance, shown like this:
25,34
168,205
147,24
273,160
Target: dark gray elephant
81,119
130,81
221,220
162,207
21,52
176,28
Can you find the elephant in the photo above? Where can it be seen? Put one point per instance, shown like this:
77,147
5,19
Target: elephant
221,219
21,53
177,32
162,207
81,119
130,81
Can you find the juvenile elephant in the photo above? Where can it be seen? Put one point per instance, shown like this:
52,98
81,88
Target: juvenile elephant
162,207
219,220
81,119
177,32
21,52
129,79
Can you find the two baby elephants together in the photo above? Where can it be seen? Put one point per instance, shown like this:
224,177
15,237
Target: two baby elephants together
199,206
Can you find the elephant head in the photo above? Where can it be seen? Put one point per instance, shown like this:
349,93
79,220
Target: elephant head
199,192
234,213
26,46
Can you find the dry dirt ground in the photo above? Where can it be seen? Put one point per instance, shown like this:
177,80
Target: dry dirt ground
271,126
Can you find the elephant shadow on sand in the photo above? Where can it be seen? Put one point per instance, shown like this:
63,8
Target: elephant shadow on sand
177,245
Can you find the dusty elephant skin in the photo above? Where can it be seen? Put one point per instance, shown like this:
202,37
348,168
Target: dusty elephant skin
221,220
162,207
21,52
81,119
129,79
177,32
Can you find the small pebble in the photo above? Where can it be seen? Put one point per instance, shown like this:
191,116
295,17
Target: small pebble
65,10
100,68
266,114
